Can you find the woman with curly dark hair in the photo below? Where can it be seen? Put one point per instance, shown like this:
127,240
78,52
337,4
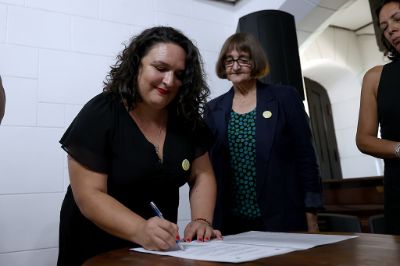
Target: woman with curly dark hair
137,142
123,77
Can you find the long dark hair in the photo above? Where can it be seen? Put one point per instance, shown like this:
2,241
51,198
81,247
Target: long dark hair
122,80
390,51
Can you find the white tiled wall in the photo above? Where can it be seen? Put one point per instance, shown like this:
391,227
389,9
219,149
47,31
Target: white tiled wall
98,37
129,12
31,160
21,101
54,56
69,77
29,221
21,61
3,22
87,8
44,257
38,28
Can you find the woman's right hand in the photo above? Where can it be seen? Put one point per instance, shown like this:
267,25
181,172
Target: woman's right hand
157,234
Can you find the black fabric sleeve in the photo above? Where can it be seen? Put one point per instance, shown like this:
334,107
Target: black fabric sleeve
203,139
303,148
88,138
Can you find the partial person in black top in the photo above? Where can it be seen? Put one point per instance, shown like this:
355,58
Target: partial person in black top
2,100
379,107
137,142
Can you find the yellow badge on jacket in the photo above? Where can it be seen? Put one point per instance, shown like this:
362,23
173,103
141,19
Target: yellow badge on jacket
267,114
185,164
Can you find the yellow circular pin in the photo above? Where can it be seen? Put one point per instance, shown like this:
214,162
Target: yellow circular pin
185,164
267,114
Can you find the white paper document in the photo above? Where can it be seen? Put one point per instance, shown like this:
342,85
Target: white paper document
249,246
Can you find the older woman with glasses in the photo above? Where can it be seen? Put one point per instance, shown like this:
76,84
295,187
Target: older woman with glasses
262,153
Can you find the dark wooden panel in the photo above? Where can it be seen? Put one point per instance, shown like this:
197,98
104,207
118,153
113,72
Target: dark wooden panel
362,197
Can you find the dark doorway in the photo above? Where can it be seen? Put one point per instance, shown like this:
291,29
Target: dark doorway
323,130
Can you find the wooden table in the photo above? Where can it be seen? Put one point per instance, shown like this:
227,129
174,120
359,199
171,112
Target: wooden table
365,250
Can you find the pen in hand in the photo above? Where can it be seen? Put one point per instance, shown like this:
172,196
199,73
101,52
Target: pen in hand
159,214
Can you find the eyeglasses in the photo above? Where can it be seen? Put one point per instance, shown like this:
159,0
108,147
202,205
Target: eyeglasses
241,61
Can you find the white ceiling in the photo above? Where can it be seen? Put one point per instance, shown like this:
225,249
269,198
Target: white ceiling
312,16
355,16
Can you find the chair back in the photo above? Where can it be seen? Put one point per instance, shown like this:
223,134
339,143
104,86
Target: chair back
377,224
331,222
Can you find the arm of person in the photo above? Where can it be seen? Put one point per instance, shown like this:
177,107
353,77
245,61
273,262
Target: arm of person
306,160
367,129
203,190
2,100
90,193
312,222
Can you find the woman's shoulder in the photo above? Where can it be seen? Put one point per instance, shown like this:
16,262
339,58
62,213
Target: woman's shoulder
219,98
104,97
280,88
374,72
280,91
102,100
371,79
101,106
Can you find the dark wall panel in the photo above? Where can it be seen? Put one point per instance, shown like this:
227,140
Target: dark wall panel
276,31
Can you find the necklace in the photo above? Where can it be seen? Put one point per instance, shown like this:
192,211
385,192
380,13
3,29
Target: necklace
148,134
157,145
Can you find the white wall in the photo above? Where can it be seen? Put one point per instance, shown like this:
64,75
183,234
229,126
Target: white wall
54,55
338,60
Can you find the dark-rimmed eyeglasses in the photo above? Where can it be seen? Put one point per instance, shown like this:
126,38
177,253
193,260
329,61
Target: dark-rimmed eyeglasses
241,61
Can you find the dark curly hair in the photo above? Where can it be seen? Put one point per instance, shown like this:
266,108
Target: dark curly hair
390,51
122,80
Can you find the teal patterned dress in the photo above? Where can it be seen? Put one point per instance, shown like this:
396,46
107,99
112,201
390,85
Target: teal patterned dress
242,147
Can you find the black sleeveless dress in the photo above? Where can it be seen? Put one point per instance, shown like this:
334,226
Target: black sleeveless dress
389,119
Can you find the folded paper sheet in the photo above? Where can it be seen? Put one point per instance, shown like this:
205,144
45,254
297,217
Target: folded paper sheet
249,246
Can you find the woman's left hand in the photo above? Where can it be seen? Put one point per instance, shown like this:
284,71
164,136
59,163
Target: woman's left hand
201,230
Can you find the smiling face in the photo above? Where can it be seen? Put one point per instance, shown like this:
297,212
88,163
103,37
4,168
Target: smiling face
389,22
238,66
160,74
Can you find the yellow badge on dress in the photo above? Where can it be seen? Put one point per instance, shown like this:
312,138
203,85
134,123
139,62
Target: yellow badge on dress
267,114
185,164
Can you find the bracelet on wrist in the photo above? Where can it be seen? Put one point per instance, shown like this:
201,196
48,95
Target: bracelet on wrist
397,150
203,220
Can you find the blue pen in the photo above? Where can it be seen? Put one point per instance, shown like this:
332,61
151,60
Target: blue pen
159,214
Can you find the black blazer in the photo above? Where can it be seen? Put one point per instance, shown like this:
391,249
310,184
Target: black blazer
288,181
